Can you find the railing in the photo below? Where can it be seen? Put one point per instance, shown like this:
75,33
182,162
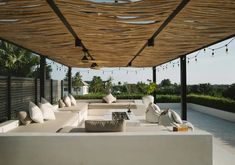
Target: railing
16,92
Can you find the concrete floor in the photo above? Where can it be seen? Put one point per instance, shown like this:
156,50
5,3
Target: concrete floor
223,136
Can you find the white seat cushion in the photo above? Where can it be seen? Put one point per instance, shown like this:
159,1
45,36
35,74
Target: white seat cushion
35,113
109,98
47,111
73,101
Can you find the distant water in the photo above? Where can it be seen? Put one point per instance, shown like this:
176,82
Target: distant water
222,129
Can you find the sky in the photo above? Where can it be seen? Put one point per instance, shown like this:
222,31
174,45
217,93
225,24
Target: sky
216,69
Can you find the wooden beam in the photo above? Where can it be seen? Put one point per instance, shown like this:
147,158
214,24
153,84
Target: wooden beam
150,41
77,40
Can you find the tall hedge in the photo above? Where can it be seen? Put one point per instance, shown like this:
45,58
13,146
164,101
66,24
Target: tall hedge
213,102
209,101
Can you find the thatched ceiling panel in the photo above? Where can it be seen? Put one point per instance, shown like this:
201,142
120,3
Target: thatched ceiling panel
114,32
197,25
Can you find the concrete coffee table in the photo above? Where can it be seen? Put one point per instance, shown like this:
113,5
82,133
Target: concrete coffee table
133,121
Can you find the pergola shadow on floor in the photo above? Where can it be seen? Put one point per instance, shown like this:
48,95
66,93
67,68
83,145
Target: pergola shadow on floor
82,33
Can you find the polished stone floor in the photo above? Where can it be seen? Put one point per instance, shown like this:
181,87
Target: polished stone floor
223,135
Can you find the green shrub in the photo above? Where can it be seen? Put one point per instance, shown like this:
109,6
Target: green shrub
101,95
167,98
129,96
91,96
209,101
213,102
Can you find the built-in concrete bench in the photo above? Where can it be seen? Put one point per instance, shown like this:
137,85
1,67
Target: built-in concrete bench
122,148
63,119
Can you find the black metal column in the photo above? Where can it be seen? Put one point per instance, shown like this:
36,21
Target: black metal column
62,89
154,81
51,91
69,80
183,79
9,97
42,76
36,90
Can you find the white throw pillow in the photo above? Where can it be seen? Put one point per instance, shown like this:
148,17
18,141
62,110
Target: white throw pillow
67,101
73,101
147,99
156,107
35,113
176,117
44,101
109,98
47,111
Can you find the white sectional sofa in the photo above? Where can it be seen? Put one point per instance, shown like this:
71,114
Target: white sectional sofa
62,141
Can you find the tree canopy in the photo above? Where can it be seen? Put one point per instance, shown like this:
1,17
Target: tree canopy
19,62
16,61
96,85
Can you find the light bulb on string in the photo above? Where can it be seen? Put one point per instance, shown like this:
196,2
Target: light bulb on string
204,50
226,49
196,58
213,53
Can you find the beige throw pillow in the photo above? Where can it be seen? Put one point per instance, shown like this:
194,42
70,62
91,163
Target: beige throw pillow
35,113
73,101
61,103
67,101
47,111
24,117
109,98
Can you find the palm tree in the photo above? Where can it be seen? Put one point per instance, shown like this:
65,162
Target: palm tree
15,60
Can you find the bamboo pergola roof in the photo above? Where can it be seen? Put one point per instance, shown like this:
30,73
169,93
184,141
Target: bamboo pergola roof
144,32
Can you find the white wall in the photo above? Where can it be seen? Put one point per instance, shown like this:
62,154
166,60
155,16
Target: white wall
203,109
213,112
123,148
